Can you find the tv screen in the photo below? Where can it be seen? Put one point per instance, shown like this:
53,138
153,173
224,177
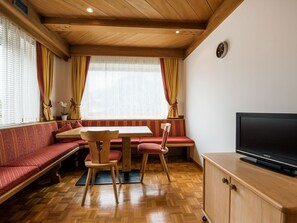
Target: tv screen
268,137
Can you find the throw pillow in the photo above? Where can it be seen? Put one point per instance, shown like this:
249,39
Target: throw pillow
63,129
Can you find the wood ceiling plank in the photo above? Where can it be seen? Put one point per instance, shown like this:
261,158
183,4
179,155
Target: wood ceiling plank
135,22
80,9
164,9
184,10
60,8
125,51
116,9
202,9
224,10
214,4
126,39
146,9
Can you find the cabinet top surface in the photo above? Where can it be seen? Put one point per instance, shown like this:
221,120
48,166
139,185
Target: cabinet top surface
278,189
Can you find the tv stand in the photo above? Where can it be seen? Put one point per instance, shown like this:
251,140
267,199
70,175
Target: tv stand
270,166
236,191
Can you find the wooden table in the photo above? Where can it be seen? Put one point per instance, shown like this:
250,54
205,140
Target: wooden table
126,132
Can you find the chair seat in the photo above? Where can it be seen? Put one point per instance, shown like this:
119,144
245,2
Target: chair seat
113,155
150,148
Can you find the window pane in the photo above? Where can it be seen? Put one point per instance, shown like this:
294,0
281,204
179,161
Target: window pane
124,88
19,93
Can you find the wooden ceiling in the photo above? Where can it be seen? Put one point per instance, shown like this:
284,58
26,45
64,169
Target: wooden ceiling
133,27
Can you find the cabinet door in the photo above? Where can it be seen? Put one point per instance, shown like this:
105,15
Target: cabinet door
216,194
247,207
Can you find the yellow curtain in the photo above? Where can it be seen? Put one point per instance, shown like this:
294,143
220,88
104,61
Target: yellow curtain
170,81
79,73
47,64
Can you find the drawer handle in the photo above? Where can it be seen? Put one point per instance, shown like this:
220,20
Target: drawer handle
232,187
225,180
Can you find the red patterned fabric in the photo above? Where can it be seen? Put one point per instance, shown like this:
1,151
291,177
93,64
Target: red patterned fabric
179,139
177,125
12,176
170,140
43,157
19,141
76,124
113,155
150,148
73,123
63,129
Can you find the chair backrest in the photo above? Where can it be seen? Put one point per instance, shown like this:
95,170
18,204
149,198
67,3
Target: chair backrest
166,129
99,144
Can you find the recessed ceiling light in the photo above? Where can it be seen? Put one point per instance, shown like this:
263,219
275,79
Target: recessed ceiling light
90,10
177,31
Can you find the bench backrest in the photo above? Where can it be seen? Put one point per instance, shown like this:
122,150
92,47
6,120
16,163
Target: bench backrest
19,141
177,125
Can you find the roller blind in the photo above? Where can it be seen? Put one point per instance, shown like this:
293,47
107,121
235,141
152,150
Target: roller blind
19,93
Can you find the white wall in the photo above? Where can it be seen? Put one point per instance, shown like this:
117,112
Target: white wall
62,90
259,73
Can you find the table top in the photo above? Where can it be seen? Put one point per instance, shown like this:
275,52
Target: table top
124,131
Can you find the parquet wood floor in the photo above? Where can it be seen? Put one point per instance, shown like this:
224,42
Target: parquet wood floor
156,200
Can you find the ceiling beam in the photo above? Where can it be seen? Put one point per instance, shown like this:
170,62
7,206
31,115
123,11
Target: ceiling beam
123,23
78,50
224,10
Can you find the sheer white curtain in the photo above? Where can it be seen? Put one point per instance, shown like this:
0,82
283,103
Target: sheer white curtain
19,93
124,88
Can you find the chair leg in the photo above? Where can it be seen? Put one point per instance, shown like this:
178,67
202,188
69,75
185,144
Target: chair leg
143,165
164,165
86,186
118,173
114,184
93,176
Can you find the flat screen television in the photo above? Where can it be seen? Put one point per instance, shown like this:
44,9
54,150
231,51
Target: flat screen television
268,140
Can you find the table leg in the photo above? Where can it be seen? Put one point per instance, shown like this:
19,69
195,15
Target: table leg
126,159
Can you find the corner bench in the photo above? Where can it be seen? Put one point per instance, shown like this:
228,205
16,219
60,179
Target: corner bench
177,136
29,151
26,153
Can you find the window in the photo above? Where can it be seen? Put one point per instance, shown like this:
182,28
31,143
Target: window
19,93
124,88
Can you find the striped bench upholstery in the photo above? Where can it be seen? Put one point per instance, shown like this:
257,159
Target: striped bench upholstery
26,153
177,136
177,125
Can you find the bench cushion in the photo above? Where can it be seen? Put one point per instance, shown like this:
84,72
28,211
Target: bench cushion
63,129
45,156
170,140
12,176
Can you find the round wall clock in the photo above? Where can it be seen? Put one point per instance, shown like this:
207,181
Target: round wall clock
222,49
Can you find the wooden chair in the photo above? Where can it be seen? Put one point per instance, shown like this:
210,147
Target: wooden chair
101,156
153,148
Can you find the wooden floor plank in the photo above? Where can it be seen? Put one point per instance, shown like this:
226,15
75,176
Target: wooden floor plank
156,200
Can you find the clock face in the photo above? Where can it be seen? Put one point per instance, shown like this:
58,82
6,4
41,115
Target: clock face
222,49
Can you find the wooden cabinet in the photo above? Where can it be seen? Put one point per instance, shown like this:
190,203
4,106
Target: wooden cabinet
239,192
